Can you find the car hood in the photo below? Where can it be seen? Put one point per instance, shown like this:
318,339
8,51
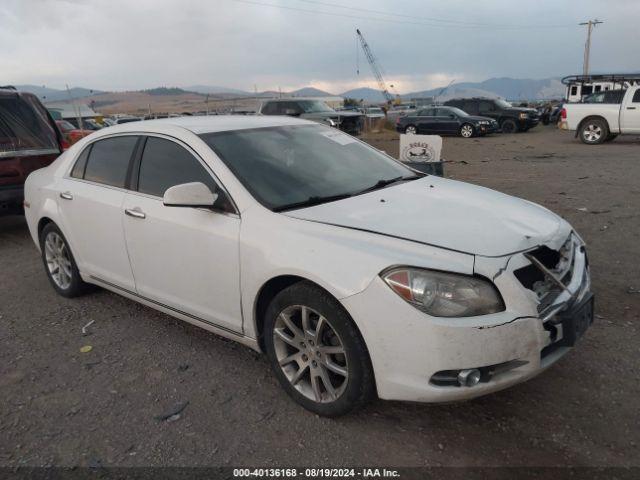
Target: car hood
443,213
477,118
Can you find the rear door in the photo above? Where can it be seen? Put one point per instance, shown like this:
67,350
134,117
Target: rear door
186,259
90,203
630,113
426,122
486,108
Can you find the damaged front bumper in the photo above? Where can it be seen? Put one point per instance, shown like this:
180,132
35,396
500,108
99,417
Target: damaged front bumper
417,357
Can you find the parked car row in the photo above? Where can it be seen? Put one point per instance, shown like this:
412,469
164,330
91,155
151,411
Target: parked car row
468,117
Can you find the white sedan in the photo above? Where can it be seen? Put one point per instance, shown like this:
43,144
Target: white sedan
355,274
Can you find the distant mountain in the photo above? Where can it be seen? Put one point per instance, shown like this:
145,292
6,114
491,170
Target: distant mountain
215,90
509,88
309,92
55,95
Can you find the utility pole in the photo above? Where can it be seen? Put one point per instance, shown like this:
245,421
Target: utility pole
587,46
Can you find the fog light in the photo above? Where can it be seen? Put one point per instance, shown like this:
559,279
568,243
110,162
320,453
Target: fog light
469,377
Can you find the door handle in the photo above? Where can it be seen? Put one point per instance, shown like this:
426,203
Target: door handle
66,195
631,108
135,212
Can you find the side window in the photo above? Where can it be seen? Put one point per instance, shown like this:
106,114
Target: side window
636,96
444,112
487,107
165,164
81,163
108,161
574,90
279,108
269,108
470,107
427,112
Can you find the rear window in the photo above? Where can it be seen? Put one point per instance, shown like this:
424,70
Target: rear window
25,128
108,161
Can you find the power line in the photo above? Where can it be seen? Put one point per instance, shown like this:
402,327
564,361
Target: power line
386,20
434,19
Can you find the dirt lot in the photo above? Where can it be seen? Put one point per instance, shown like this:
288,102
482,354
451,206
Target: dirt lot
62,407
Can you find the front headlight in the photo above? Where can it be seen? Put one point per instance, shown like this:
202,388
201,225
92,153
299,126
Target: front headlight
443,294
523,116
483,122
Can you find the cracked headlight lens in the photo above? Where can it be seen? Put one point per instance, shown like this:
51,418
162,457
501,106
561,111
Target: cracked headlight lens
443,294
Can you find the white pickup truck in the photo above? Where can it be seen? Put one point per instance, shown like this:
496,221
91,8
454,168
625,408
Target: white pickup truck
602,120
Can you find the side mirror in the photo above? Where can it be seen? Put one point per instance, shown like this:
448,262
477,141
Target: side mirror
194,194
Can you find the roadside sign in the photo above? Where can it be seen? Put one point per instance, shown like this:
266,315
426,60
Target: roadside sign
420,148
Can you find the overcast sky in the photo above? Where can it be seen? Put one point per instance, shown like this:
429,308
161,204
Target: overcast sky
120,45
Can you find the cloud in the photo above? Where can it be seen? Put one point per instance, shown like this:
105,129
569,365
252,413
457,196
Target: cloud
145,43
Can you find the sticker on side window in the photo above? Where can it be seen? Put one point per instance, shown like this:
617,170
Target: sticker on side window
338,137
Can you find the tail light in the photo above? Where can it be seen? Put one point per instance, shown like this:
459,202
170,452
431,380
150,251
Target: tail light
65,144
563,113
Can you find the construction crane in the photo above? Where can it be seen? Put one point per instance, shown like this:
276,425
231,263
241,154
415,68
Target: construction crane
374,67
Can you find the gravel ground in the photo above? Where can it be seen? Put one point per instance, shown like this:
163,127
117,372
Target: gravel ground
62,407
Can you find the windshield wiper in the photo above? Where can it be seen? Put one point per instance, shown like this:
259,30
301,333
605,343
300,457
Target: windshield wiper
385,182
311,201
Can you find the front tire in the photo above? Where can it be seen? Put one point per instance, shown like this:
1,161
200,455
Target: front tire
467,131
316,352
411,130
594,132
59,263
509,126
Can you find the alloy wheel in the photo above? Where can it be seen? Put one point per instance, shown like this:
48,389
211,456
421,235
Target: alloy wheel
592,133
466,131
310,353
58,260
411,130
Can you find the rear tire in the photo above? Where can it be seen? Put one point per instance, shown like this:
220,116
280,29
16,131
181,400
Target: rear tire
594,131
59,263
509,125
411,130
316,352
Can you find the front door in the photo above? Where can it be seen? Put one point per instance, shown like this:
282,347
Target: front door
183,258
630,115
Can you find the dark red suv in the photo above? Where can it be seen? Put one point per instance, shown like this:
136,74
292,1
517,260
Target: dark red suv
29,139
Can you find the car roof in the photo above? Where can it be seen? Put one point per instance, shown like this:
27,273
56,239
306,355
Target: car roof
208,124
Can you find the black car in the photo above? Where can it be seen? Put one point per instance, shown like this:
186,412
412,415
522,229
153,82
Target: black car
511,119
445,121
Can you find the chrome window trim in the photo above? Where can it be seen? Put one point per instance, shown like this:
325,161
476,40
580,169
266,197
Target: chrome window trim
175,140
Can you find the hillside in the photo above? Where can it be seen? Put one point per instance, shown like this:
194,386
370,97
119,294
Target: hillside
56,95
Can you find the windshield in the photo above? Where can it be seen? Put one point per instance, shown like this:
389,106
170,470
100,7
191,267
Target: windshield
458,112
314,106
282,166
503,104
375,110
